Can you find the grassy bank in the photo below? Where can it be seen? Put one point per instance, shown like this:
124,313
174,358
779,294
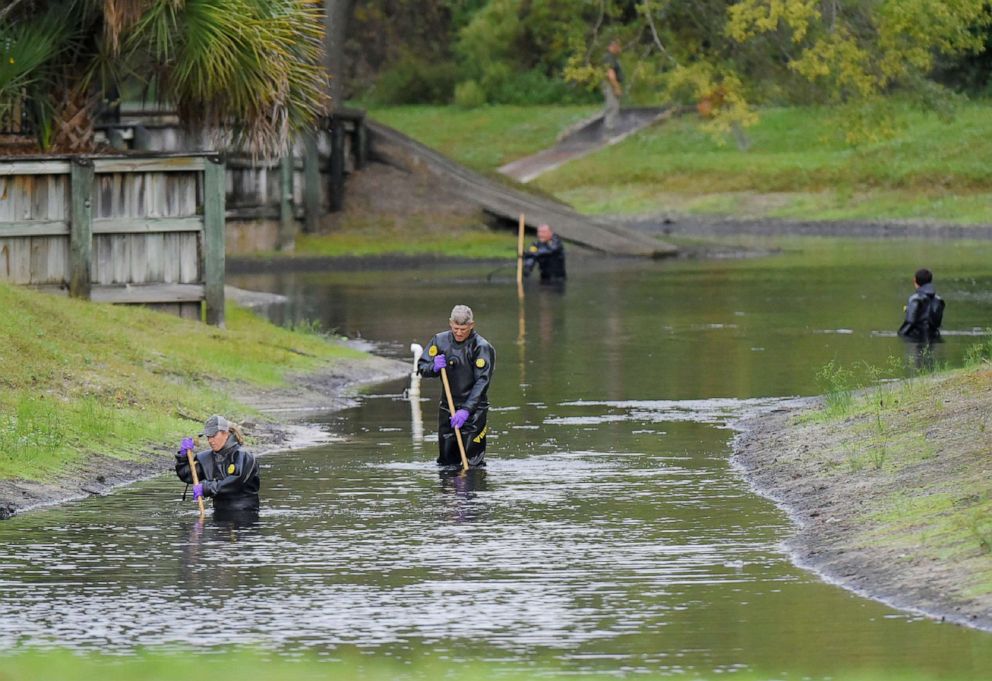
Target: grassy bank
893,483
923,445
798,165
81,378
247,665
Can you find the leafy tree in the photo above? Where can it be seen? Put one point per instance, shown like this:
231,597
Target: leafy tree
729,56
248,67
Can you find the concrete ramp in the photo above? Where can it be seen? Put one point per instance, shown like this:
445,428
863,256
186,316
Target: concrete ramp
584,138
506,202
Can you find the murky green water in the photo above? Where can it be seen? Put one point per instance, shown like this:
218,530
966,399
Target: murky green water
609,532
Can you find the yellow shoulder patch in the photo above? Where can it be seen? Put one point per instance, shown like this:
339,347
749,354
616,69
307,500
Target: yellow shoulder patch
230,469
533,249
480,362
432,351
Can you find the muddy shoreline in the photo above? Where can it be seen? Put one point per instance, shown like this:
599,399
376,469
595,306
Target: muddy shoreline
286,410
723,226
783,460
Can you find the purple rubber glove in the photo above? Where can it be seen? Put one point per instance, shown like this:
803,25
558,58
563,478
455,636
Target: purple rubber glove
197,491
440,362
459,419
187,444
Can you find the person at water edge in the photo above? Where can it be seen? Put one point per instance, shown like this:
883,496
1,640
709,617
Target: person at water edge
612,86
468,359
548,253
227,472
924,310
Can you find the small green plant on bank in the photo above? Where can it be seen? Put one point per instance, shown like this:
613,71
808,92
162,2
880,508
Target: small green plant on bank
839,384
980,526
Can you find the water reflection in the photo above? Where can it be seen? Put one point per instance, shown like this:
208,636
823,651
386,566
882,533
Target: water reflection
461,489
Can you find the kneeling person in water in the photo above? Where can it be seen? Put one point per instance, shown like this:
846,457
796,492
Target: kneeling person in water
468,359
227,472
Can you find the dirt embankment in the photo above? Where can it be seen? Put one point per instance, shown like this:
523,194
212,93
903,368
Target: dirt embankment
286,410
890,499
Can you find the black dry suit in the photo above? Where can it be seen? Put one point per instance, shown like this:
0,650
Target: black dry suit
230,476
924,314
470,371
549,255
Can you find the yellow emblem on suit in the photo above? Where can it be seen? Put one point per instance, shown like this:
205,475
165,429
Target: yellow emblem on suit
432,351
230,469
533,249
480,362
478,440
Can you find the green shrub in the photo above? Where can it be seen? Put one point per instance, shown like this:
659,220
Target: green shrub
503,85
469,95
414,80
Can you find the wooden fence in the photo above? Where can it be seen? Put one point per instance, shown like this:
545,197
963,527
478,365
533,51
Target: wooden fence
267,201
122,229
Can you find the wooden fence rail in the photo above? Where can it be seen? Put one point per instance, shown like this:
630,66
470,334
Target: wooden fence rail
124,229
268,201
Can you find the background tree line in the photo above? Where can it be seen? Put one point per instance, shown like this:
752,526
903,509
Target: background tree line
731,55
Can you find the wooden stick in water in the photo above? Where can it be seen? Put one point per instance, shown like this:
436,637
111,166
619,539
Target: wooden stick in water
520,251
451,409
196,478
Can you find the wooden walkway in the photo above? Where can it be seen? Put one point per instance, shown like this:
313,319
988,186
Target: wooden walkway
582,139
507,202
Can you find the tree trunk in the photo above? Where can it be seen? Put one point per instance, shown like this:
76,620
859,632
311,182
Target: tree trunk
336,14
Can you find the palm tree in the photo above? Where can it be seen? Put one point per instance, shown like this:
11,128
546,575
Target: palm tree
249,68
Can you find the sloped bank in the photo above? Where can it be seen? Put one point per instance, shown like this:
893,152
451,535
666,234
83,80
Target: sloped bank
331,389
890,492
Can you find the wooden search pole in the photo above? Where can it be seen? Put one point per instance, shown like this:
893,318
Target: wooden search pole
520,251
451,409
196,478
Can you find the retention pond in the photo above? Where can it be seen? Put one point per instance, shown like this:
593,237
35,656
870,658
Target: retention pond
609,533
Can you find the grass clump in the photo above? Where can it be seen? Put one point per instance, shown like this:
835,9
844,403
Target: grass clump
82,378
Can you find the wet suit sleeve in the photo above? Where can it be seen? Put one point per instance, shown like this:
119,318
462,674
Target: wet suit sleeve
914,313
425,367
531,257
483,373
182,468
244,469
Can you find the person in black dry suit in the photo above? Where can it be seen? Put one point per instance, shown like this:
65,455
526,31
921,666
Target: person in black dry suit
549,253
228,473
468,359
924,310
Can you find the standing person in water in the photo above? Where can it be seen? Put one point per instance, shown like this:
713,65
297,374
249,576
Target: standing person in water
468,359
548,253
227,472
924,310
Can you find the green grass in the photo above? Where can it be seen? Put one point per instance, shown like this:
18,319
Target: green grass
249,665
81,378
485,138
922,446
798,165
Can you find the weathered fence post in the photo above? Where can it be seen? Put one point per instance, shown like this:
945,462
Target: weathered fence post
360,144
336,202
81,229
287,221
311,182
214,174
